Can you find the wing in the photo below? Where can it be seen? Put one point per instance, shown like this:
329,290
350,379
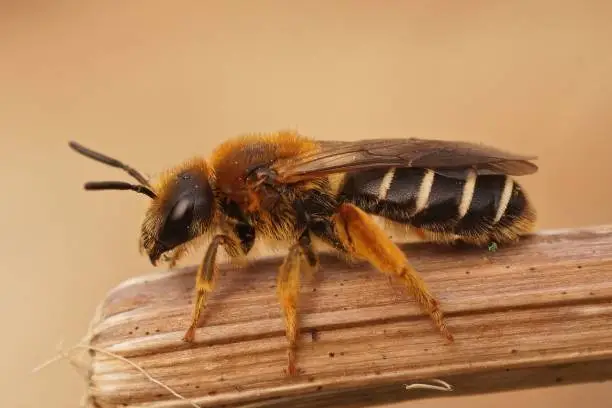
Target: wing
337,157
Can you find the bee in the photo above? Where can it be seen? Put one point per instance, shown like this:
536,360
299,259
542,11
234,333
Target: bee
287,188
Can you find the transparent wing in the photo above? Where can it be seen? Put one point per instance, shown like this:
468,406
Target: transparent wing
339,157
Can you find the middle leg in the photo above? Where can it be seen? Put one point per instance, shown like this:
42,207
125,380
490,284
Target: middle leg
288,287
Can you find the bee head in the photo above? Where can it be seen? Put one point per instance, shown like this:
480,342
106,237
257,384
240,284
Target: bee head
183,210
182,204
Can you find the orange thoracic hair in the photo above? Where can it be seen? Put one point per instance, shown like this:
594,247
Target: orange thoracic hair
232,159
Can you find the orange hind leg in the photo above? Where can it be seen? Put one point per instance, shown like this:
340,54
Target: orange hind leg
366,240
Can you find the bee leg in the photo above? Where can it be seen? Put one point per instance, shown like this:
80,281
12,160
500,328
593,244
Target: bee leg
288,287
172,260
205,281
364,239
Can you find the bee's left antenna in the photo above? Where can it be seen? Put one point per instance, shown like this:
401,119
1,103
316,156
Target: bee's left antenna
119,185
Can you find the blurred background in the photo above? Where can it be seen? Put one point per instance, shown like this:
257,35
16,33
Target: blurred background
155,82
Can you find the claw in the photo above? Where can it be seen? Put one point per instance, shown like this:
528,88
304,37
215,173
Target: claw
189,336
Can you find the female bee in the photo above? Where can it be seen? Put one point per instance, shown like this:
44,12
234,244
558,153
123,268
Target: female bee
289,188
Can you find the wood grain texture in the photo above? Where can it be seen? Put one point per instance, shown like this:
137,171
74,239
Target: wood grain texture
534,314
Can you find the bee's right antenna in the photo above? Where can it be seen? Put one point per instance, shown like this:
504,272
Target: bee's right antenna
144,187
110,161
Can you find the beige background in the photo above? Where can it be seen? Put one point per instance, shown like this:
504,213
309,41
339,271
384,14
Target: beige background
155,83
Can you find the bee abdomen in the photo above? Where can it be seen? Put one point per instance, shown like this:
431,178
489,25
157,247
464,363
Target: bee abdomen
446,205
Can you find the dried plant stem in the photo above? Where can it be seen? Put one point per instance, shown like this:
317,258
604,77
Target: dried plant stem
66,355
529,315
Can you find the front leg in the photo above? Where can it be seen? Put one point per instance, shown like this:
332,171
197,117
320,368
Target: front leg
205,277
173,258
288,287
238,239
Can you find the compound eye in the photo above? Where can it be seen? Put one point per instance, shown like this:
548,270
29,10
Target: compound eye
182,207
175,230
